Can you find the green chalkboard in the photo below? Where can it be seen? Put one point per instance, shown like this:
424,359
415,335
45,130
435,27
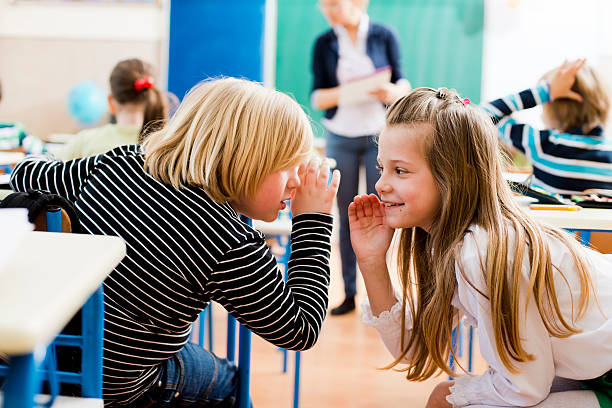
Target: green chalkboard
440,42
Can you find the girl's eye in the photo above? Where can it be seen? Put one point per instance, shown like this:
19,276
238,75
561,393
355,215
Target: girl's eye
379,168
400,171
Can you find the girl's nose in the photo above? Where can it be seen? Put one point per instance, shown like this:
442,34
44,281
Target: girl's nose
382,186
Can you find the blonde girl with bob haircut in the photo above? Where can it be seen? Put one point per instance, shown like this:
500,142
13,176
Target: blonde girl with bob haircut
232,148
541,302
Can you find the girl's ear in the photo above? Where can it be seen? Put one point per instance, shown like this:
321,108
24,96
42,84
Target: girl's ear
112,104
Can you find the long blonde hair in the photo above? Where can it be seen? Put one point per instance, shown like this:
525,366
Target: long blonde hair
463,154
227,135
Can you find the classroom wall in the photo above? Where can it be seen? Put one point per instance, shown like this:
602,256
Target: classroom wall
47,48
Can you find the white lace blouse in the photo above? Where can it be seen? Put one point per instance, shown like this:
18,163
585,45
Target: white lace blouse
581,356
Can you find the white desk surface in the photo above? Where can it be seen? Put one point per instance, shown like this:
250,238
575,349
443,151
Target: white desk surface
47,280
585,219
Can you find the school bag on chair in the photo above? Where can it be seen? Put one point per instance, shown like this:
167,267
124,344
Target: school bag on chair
38,202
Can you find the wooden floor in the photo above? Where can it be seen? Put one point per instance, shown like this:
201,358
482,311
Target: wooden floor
342,370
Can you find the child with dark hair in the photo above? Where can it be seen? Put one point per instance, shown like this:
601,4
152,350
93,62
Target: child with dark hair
137,105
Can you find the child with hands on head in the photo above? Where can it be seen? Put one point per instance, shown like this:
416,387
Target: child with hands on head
572,154
233,147
540,301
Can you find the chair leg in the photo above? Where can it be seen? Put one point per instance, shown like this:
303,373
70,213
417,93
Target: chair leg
92,326
296,383
210,327
244,367
451,358
470,348
201,323
231,337
51,366
460,339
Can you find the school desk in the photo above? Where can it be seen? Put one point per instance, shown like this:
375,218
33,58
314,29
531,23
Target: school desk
586,220
43,284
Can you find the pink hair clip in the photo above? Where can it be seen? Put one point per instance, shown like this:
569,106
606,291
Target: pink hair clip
466,101
142,83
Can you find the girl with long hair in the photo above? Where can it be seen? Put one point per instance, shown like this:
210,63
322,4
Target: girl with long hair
541,302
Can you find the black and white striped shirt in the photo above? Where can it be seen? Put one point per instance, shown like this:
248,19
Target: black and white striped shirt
183,250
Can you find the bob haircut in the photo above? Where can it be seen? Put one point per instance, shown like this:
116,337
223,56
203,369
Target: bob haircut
567,114
227,135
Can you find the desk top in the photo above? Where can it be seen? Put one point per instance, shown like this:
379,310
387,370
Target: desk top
585,219
47,280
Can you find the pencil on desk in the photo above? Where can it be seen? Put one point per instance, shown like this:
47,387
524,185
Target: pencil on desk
555,207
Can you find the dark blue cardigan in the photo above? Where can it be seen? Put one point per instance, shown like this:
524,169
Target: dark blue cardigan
381,46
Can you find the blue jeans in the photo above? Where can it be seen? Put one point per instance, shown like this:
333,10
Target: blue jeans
350,153
194,377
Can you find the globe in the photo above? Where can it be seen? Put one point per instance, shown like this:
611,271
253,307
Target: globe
86,102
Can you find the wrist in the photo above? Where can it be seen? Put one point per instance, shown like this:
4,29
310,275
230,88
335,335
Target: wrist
372,264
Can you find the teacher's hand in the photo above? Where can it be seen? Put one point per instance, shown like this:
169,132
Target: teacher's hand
389,92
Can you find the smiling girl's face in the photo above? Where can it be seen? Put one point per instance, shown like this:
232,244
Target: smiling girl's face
406,185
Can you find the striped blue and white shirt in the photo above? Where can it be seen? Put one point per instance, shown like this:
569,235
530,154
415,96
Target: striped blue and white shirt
562,163
183,250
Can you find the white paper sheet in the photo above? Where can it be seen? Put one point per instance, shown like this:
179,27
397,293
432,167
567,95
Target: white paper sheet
358,90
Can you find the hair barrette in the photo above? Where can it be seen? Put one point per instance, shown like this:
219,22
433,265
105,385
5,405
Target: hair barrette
466,102
142,83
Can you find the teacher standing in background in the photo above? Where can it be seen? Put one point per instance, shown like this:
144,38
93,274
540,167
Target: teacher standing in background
354,47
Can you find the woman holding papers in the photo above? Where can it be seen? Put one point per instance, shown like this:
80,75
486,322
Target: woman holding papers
356,67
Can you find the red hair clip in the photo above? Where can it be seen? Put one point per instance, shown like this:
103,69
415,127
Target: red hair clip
142,83
466,102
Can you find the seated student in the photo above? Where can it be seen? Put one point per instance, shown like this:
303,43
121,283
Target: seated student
572,155
541,302
136,104
233,147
